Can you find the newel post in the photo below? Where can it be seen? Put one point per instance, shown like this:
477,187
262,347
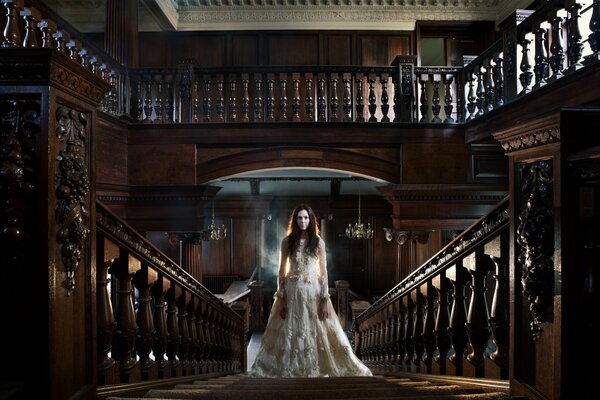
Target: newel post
47,219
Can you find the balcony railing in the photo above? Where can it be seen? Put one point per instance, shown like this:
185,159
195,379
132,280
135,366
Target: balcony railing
402,92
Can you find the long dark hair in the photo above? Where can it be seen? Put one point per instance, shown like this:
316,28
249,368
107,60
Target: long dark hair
294,232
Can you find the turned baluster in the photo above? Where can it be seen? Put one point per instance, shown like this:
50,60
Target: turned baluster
471,104
360,104
106,253
594,37
409,330
419,342
283,99
47,27
12,36
526,75
478,331
245,106
138,112
497,250
385,336
541,58
401,333
232,105
321,104
308,99
73,48
270,97
201,349
296,97
459,276
385,107
61,38
31,16
220,99
193,334
435,99
574,45
429,294
372,99
424,107
125,335
480,91
442,323
347,98
169,108
448,107
333,97
556,60
174,338
215,332
489,85
258,98
183,302
158,100
209,339
196,102
207,102
498,80
148,101
159,345
143,281
394,317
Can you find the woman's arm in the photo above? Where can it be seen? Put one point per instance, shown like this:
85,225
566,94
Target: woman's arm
281,278
322,309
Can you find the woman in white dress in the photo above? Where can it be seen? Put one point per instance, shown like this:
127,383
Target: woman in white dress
303,337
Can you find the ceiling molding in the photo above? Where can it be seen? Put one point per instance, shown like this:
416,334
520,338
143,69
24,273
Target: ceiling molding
231,15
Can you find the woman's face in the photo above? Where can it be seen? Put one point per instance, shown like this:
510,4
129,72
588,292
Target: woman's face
302,220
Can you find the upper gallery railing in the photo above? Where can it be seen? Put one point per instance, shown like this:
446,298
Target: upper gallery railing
563,35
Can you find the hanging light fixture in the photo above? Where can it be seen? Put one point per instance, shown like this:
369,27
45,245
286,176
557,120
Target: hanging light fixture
214,232
359,231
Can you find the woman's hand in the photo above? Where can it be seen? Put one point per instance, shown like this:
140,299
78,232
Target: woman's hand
322,310
283,309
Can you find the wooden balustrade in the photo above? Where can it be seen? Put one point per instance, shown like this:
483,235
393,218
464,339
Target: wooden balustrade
442,310
179,329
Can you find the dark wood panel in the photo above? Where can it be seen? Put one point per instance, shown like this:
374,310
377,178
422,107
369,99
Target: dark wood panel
207,50
373,50
215,253
149,42
338,50
244,246
111,153
244,50
161,165
398,45
292,50
434,163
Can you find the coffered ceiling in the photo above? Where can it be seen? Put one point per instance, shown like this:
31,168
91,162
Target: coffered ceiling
191,15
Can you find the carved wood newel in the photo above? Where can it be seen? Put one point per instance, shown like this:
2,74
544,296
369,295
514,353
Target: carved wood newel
535,236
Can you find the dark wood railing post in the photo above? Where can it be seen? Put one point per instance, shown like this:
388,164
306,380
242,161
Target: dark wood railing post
125,335
478,330
256,306
183,353
108,371
442,323
428,292
496,366
159,345
174,338
143,281
459,276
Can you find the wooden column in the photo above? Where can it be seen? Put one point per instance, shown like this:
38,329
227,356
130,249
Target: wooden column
121,33
47,245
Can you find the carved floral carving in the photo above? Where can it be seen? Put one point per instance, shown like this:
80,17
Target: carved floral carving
72,189
20,124
535,235
531,139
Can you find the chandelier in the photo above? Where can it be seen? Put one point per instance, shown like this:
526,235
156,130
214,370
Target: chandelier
359,231
214,232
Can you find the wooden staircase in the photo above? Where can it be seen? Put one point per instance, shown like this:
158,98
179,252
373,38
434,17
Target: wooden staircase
382,387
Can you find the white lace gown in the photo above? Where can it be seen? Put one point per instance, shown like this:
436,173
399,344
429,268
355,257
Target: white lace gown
301,345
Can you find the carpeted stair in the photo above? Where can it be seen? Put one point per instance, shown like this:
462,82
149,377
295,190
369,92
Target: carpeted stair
242,387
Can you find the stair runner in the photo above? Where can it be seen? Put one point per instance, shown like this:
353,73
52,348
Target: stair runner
380,387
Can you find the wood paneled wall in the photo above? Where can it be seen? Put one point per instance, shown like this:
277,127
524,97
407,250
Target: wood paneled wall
281,48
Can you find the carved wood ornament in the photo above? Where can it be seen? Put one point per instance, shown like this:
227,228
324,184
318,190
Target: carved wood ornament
20,125
535,235
72,189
